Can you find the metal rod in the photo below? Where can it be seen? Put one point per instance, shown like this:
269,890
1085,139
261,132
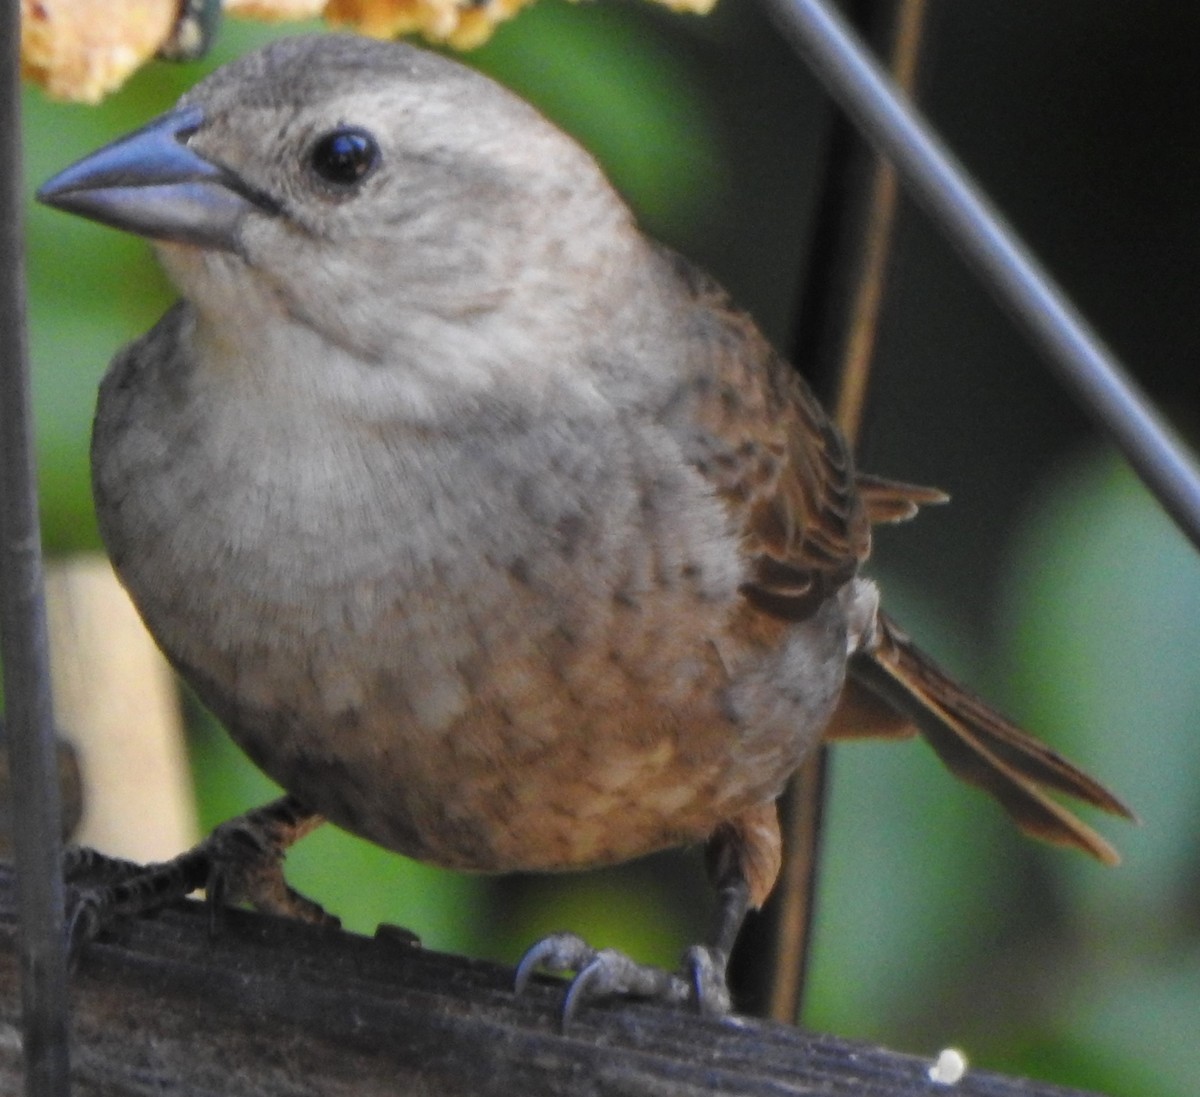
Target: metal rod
875,249
23,644
938,181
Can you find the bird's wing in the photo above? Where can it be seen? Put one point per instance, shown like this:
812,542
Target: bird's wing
805,516
770,451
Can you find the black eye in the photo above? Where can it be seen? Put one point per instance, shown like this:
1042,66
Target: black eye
344,157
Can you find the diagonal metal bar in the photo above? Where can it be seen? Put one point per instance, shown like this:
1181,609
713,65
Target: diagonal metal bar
31,741
1082,361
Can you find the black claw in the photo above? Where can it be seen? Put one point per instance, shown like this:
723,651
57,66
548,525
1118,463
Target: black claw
88,915
216,896
525,971
585,985
559,953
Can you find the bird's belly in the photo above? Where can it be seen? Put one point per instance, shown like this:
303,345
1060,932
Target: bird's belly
494,743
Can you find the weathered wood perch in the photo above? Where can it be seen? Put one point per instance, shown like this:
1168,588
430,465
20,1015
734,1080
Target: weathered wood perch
270,1008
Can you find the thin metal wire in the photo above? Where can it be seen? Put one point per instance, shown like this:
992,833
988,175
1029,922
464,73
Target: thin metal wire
30,722
866,304
938,181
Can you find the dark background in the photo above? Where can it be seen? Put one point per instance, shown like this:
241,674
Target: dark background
1052,584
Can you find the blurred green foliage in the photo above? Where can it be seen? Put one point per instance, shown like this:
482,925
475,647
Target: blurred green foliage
1076,972
1077,606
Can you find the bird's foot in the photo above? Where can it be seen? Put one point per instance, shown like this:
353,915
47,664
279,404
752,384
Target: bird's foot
241,861
607,973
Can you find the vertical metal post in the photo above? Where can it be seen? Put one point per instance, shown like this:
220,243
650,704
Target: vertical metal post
31,745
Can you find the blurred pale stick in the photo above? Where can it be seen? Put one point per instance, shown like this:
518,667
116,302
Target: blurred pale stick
116,699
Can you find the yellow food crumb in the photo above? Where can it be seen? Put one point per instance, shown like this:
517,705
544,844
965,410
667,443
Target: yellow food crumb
462,24
83,49
275,10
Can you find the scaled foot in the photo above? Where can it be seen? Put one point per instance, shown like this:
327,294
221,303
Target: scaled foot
607,973
240,861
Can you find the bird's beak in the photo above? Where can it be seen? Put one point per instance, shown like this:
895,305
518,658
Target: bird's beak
151,183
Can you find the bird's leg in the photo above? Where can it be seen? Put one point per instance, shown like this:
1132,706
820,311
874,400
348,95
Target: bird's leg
743,857
240,861
708,963
743,862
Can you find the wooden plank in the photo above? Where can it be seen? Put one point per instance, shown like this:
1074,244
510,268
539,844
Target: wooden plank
271,1008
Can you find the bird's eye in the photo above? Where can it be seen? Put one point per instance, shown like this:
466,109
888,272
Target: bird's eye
344,157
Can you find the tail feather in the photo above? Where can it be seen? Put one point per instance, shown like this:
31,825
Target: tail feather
863,714
981,747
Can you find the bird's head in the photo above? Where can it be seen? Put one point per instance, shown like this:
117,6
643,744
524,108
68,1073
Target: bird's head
373,193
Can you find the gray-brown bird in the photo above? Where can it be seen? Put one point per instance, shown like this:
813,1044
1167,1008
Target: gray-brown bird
490,529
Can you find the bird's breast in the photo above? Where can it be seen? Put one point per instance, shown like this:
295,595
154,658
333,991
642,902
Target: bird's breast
495,650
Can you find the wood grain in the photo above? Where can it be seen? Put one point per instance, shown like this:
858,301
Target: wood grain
270,1008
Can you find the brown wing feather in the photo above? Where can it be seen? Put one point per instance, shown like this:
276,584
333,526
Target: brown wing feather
774,456
892,500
